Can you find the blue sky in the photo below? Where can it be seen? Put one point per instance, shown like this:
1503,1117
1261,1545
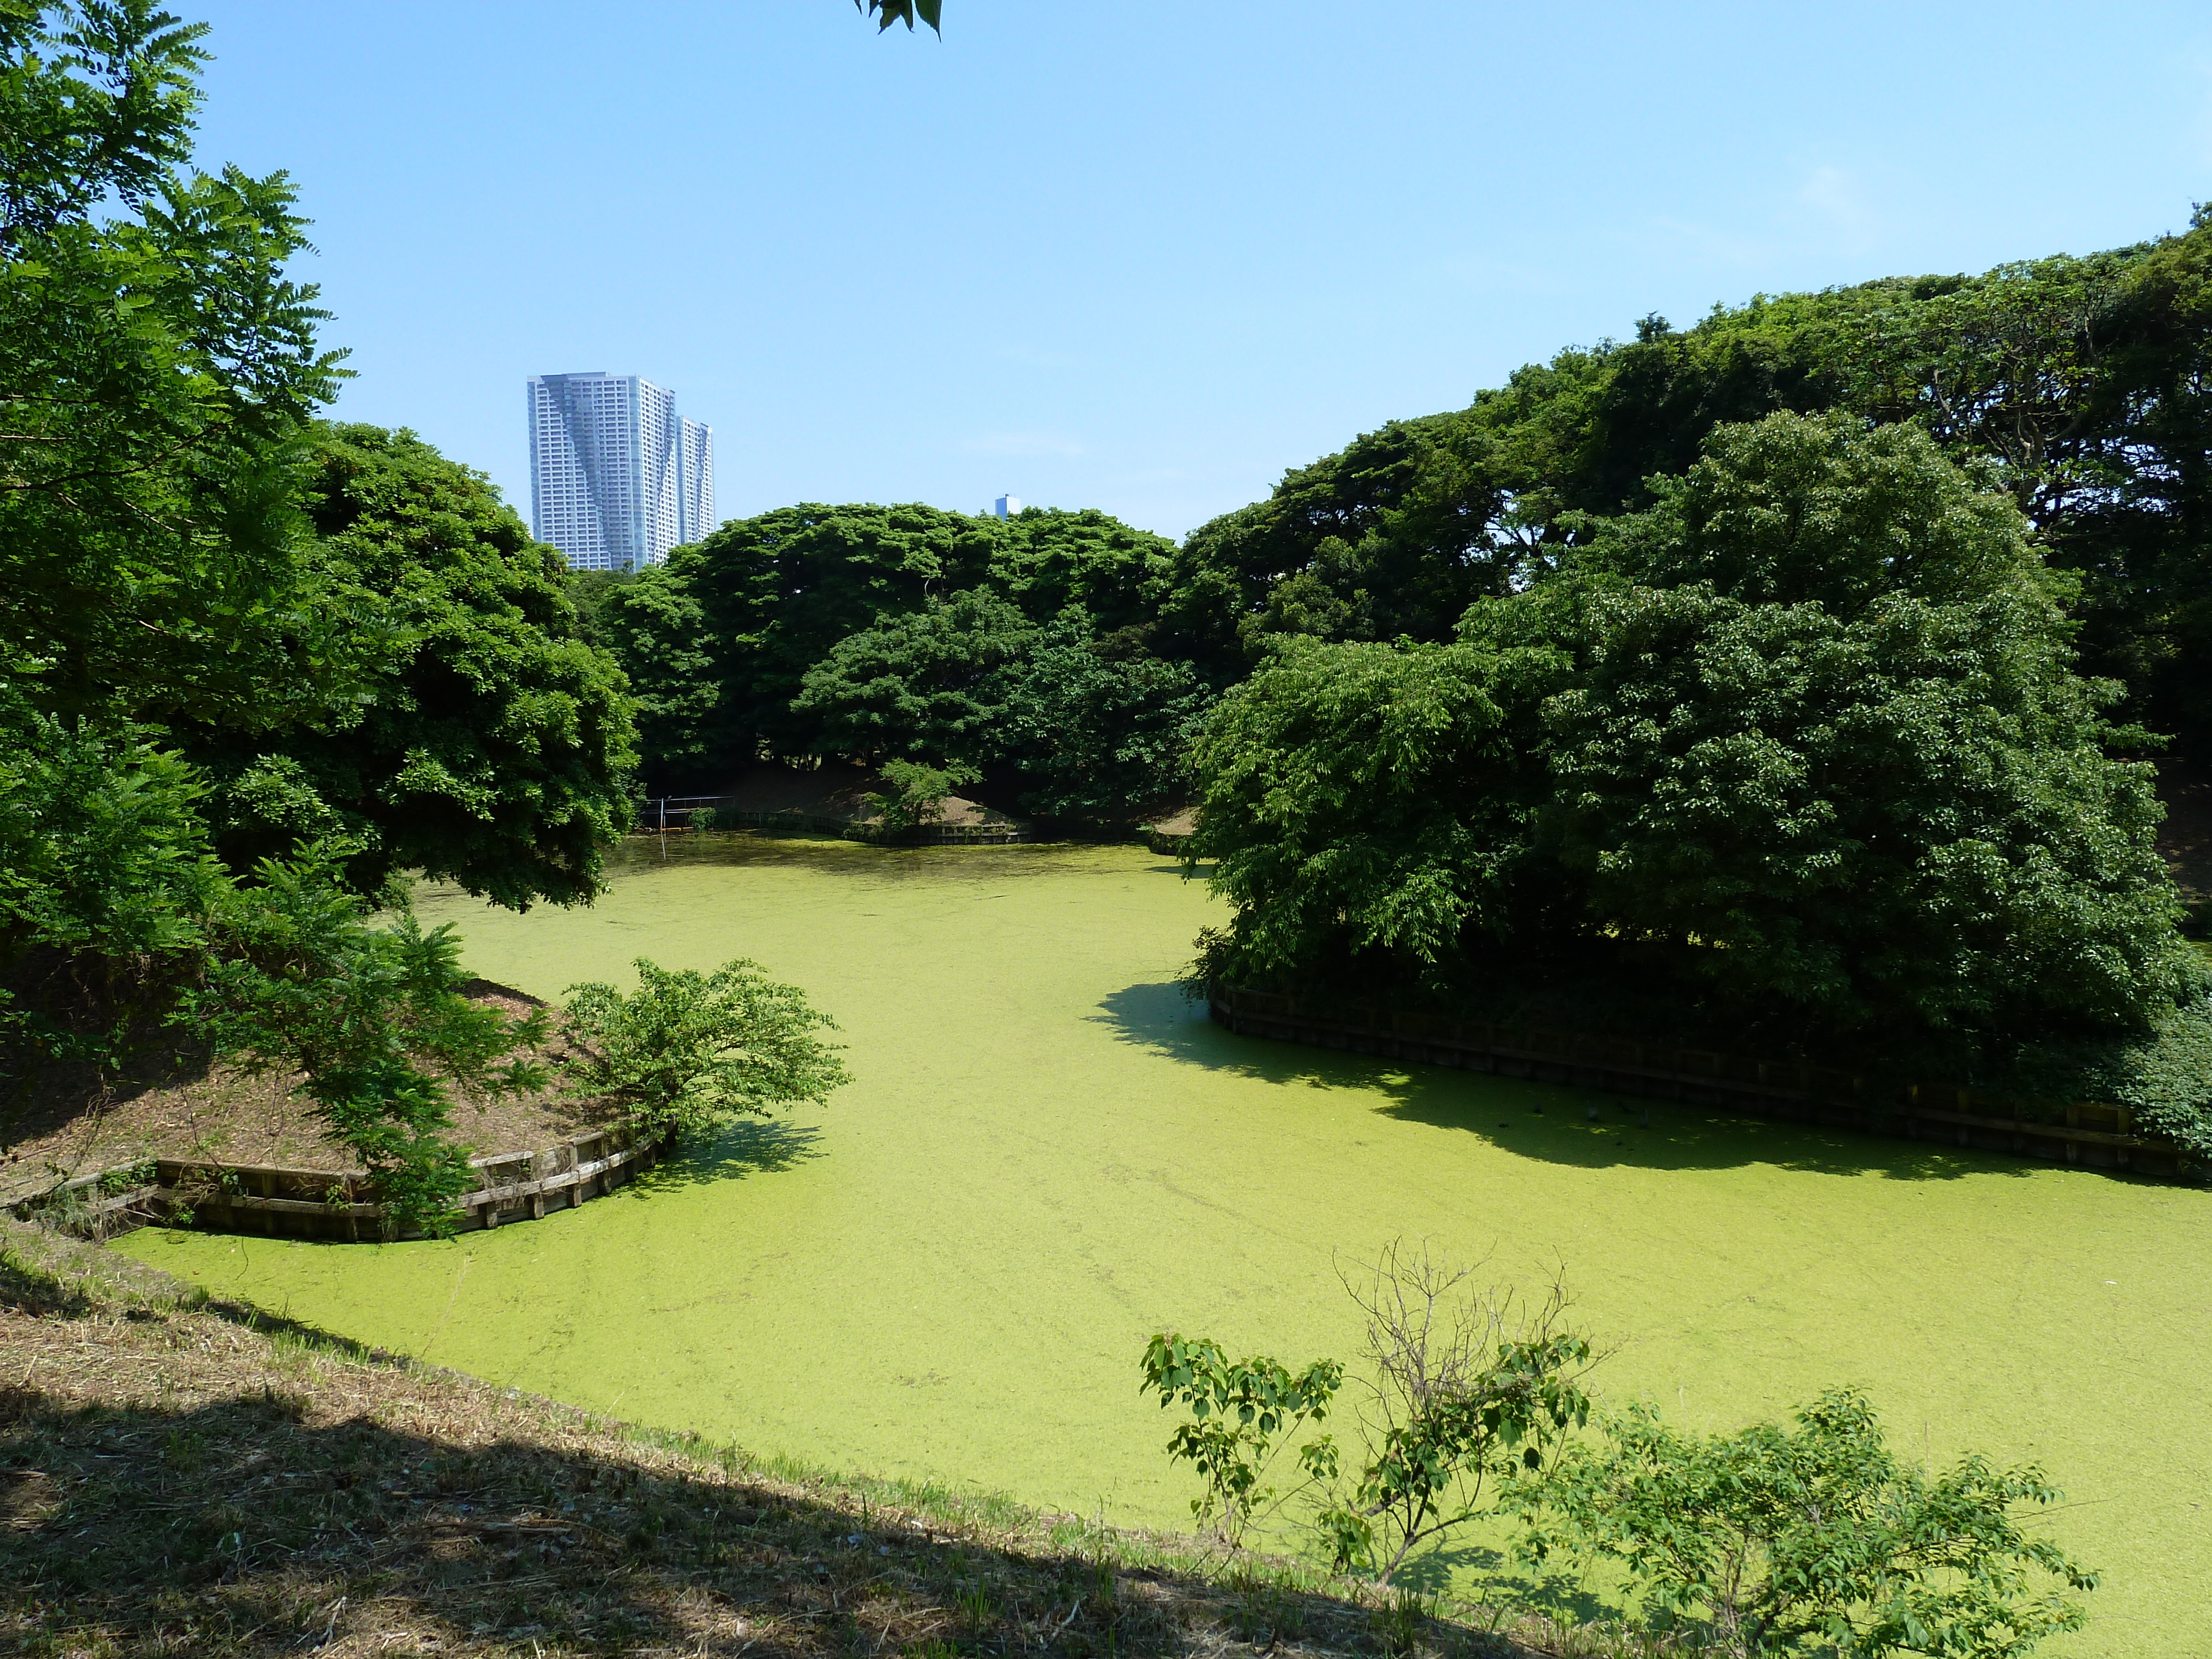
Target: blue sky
1143,255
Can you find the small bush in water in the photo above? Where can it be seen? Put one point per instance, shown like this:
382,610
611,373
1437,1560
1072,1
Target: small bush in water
688,1049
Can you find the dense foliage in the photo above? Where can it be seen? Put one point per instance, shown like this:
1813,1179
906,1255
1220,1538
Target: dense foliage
481,740
250,667
1029,648
686,1050
1801,742
2085,382
371,1019
1244,1414
1772,1540
1815,1539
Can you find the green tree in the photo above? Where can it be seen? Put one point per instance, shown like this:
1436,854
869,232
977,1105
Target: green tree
1370,811
927,683
1094,733
652,624
1829,752
1802,738
917,792
1244,1414
687,1050
1471,1402
2082,380
1394,536
155,366
188,575
1087,727
1814,1540
107,876
482,741
776,593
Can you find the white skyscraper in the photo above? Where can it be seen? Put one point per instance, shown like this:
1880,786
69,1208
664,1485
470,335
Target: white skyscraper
616,476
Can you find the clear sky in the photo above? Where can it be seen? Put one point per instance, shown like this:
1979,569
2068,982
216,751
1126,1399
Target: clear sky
1144,255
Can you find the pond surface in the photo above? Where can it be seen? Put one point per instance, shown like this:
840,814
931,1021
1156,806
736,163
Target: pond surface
1048,1155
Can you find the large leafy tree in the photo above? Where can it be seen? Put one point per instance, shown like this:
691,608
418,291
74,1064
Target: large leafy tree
1097,733
930,683
155,366
1803,739
482,739
1393,536
1075,725
163,589
1828,750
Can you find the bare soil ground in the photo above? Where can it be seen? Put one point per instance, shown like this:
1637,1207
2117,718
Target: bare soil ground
178,1107
836,789
179,1477
2185,837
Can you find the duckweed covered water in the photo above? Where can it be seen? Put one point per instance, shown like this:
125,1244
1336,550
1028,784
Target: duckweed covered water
1048,1155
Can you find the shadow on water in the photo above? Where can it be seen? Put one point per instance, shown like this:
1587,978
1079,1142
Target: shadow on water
753,1146
1553,1123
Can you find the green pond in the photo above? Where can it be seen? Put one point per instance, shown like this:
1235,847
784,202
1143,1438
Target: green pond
1049,1154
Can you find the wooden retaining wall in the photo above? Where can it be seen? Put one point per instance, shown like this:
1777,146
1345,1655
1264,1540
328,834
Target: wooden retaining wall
284,1203
2093,1133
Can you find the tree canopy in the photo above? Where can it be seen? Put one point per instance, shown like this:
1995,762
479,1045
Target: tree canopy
2081,380
1804,738
1030,647
250,667
481,739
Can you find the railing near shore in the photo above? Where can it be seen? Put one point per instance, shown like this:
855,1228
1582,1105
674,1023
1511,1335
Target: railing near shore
253,1198
2089,1132
672,816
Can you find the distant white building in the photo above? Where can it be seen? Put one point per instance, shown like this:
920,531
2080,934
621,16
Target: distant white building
616,476
1007,506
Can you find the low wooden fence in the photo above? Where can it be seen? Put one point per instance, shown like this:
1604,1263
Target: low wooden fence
252,1197
2088,1133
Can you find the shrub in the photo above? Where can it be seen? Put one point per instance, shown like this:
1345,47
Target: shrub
1244,1414
688,1049
1468,1399
1814,1540
373,1019
917,792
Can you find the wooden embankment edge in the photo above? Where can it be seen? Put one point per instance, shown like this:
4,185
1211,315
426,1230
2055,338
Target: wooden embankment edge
277,1201
2095,1134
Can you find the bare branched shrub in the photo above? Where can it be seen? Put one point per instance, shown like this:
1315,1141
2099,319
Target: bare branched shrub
1470,1388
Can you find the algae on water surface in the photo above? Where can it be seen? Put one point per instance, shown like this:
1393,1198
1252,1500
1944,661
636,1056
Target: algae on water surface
1049,1154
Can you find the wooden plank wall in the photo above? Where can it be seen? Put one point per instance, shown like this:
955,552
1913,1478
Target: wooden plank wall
2089,1132
286,1203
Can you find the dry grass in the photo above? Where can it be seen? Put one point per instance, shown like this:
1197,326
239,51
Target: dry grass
182,1477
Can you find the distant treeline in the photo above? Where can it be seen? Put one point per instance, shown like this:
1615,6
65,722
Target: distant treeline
1067,654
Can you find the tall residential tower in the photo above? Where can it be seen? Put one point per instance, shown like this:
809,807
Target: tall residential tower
616,476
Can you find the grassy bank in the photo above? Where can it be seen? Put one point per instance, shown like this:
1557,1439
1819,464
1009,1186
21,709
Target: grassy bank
189,1477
